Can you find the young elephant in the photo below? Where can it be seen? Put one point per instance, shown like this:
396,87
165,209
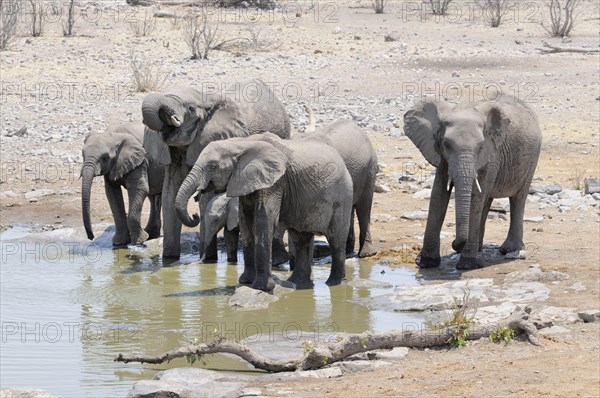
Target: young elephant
118,155
220,212
486,150
304,184
360,158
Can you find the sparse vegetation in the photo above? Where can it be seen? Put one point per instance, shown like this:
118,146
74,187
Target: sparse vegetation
563,14
379,6
503,333
494,10
460,322
439,7
68,26
200,34
8,22
146,77
37,17
145,26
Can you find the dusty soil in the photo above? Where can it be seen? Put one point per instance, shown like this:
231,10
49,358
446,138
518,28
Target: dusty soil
340,53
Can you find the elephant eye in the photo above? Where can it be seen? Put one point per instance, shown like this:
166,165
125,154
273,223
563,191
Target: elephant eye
104,157
192,109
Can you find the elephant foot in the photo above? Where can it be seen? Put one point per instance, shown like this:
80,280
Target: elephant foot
511,245
140,238
264,283
279,256
247,278
423,261
121,240
368,250
458,245
466,263
169,259
301,282
333,280
153,233
232,258
283,283
212,259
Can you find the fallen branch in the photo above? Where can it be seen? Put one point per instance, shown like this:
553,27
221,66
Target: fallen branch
163,14
550,49
348,346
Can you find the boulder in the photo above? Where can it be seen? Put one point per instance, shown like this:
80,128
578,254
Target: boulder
589,316
246,298
501,205
591,185
26,393
415,215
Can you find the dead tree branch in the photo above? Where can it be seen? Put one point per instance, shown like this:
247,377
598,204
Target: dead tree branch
550,49
319,357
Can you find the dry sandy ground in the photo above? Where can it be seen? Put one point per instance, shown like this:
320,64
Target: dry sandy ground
370,79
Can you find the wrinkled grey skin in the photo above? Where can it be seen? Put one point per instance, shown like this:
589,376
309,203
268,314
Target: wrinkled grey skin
188,120
302,183
360,158
118,155
220,212
495,144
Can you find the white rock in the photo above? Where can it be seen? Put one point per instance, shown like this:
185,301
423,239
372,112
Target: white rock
520,255
589,316
34,195
422,194
415,215
246,298
501,205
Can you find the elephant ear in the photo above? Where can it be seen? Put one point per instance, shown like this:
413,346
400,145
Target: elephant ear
130,154
496,123
233,213
422,124
259,166
222,120
155,147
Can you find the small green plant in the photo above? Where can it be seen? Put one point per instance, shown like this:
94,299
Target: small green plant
192,358
460,321
363,342
308,346
503,333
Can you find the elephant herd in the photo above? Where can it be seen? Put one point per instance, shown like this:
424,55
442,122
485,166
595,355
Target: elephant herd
250,176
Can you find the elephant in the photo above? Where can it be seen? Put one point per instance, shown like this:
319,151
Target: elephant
220,212
360,158
485,150
118,155
187,120
302,184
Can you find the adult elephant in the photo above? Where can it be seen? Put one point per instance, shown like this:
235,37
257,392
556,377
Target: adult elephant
303,184
118,155
188,120
360,158
486,150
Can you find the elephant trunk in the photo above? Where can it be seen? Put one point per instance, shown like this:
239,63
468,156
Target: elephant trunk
188,187
463,177
160,111
87,175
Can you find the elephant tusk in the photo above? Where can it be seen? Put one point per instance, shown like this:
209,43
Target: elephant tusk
175,121
449,187
478,186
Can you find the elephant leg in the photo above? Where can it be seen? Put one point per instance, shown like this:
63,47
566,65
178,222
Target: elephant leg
136,183
438,204
117,207
514,240
171,224
279,255
336,237
484,215
266,217
231,244
351,238
153,225
363,211
211,255
246,225
469,258
302,243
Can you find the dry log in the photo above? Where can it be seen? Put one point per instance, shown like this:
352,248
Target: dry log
348,346
550,49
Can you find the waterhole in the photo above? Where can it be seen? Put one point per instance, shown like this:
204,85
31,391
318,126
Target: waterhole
68,308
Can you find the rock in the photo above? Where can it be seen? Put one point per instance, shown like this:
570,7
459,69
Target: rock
395,354
518,255
547,316
415,215
190,383
32,196
554,330
535,274
18,133
324,373
536,219
501,205
548,189
369,283
358,365
246,298
26,393
589,316
592,185
382,188
8,194
395,132
422,194
569,194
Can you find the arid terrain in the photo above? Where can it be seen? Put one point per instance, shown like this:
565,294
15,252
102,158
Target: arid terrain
343,60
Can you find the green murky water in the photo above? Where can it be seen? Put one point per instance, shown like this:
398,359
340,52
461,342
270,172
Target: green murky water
69,308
